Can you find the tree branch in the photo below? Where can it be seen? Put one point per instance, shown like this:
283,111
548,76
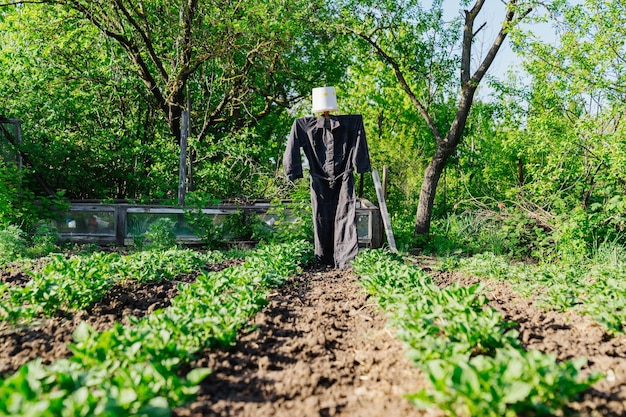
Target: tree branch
509,21
403,82
19,3
146,40
468,38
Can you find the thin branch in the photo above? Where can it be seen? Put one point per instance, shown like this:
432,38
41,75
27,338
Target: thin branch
498,41
403,82
479,29
19,3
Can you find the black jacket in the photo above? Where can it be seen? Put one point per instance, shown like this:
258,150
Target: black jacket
332,152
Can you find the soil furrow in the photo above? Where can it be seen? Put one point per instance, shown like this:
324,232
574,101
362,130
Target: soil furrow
320,348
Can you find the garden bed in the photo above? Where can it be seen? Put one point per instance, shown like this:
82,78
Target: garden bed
322,347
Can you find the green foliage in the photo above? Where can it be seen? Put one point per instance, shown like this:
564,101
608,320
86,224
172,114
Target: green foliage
521,233
403,226
12,244
160,234
92,133
63,284
511,383
44,241
154,265
437,323
9,194
293,221
143,369
552,141
557,142
19,205
596,289
475,364
511,234
66,284
109,123
242,225
237,164
203,225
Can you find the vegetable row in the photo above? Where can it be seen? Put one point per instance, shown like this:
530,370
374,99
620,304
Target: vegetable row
596,290
142,369
470,355
72,283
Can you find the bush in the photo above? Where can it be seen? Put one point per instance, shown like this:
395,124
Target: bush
242,225
512,234
9,194
292,221
44,240
19,205
160,234
12,244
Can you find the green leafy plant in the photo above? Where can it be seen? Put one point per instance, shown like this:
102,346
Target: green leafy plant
44,240
12,243
203,224
595,289
242,225
160,234
511,383
472,358
141,369
292,221
76,282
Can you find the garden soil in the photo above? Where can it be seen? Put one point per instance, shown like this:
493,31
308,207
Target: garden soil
321,347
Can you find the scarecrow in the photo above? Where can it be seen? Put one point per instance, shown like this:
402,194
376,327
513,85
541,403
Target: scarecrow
336,148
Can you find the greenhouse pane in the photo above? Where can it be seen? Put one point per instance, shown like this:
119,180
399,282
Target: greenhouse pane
89,222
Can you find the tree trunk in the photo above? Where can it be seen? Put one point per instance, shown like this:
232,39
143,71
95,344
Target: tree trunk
427,193
445,148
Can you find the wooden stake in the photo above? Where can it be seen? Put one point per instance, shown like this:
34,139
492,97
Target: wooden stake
383,211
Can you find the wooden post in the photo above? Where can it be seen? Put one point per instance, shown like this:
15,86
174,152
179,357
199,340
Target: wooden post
182,168
361,185
385,171
383,211
120,225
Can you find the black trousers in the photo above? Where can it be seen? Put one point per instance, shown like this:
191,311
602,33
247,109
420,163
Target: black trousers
334,220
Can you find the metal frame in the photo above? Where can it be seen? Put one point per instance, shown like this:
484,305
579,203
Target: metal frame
118,234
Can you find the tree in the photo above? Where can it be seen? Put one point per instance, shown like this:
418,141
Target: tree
419,46
88,125
571,135
127,67
231,47
396,138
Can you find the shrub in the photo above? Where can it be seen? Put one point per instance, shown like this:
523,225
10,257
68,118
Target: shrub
12,244
160,234
242,225
202,224
292,221
44,240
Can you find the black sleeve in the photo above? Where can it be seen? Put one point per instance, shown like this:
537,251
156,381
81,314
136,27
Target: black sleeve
361,154
292,161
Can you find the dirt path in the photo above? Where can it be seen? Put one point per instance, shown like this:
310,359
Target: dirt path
320,348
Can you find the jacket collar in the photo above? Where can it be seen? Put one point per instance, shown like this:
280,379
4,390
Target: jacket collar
334,122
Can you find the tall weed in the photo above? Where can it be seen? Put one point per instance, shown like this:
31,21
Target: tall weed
13,244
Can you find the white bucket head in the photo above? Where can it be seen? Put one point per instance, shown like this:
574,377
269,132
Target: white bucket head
324,99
